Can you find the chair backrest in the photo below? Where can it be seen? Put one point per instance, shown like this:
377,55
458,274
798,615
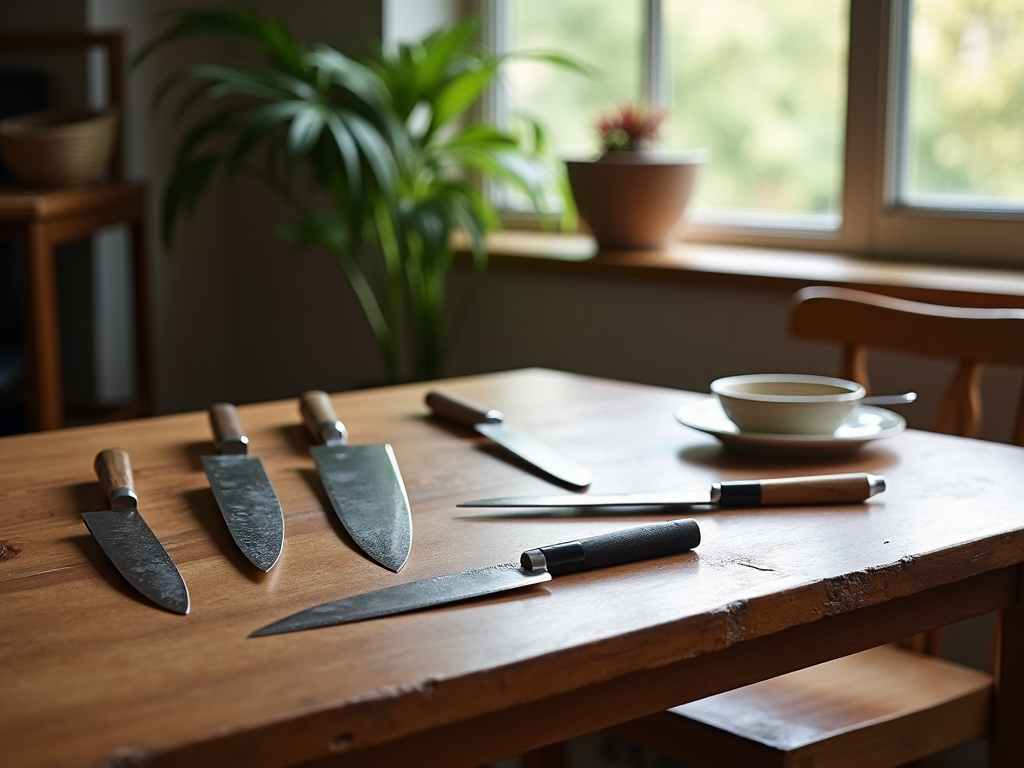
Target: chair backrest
968,335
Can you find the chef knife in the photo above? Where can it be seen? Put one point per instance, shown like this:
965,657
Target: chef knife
128,541
243,492
784,491
535,566
490,423
363,483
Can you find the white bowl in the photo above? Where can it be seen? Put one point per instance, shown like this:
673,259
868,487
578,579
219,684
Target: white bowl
787,404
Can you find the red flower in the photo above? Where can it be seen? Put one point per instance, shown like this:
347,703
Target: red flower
629,128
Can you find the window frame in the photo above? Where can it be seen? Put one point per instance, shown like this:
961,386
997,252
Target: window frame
873,224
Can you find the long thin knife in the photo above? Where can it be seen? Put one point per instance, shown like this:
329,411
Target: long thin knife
535,566
363,483
128,541
243,491
490,423
784,491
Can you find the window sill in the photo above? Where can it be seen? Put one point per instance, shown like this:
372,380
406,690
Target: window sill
757,268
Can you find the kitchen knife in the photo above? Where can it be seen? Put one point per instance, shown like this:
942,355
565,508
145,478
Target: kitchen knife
363,483
128,541
490,424
535,566
243,491
783,491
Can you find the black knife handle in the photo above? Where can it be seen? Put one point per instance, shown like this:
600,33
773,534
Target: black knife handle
114,470
625,546
460,409
320,419
228,435
845,488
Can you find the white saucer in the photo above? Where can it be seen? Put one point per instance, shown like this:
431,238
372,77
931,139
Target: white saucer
866,424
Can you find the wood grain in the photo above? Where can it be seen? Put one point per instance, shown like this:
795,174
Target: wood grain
94,674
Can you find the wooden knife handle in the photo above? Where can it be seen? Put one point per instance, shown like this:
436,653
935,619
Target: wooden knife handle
460,409
228,434
816,489
320,419
114,470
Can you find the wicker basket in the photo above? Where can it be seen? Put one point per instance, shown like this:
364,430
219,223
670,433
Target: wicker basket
58,149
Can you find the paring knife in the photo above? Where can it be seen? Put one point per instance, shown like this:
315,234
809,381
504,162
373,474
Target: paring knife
128,541
783,491
363,483
243,491
535,566
490,423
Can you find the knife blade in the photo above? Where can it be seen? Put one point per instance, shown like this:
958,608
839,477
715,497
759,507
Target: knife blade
847,488
535,566
128,541
243,491
490,423
363,483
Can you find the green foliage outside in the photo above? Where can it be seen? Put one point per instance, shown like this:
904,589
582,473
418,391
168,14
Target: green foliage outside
762,85
966,131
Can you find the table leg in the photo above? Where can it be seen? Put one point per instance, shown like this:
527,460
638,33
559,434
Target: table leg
39,281
140,276
1008,714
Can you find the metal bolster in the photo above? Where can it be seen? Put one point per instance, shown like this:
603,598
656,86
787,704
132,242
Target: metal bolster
533,560
716,493
333,433
233,445
876,484
124,498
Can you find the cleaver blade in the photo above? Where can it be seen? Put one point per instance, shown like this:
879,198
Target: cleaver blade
363,483
491,424
535,566
128,541
243,491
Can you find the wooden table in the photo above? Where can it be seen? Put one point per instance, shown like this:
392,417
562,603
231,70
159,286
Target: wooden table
37,221
93,674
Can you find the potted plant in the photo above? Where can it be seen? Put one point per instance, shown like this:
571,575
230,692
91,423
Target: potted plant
633,197
375,158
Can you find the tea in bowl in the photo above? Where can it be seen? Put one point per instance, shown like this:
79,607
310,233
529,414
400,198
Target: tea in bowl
791,404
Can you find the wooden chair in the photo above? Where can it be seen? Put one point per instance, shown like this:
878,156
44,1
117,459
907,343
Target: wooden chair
890,705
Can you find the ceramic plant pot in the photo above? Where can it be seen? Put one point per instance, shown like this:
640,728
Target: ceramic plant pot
634,200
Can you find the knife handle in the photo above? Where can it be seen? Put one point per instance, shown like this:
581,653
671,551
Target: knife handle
320,419
460,409
816,489
228,435
114,470
625,546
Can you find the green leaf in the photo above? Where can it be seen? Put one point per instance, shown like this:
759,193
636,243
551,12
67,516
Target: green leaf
304,130
461,93
184,191
258,126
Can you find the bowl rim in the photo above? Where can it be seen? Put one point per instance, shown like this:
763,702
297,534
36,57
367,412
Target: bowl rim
721,387
36,125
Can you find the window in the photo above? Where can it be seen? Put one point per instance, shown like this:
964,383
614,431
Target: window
888,127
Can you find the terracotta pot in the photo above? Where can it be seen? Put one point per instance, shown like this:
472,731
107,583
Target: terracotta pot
633,200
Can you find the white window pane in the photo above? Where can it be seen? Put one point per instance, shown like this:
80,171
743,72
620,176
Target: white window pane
604,34
964,141
762,85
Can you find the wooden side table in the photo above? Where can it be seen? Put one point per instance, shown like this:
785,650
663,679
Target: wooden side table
37,221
